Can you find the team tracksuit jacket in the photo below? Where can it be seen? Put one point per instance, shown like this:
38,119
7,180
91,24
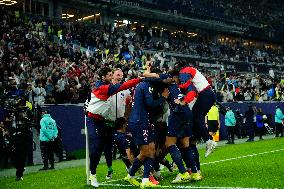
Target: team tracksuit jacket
98,106
190,79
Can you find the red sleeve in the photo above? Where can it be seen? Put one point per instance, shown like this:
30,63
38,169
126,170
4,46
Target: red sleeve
190,70
209,81
129,84
101,92
190,96
185,85
113,89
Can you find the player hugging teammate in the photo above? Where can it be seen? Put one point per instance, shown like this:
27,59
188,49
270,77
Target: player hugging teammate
167,116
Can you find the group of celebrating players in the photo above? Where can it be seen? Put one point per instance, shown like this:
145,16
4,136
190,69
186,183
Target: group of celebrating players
152,116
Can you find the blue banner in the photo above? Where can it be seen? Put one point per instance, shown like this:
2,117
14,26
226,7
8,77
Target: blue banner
71,120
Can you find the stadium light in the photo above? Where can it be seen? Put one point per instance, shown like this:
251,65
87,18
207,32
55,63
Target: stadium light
191,34
8,2
66,16
86,18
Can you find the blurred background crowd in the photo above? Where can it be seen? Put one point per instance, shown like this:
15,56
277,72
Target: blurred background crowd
45,60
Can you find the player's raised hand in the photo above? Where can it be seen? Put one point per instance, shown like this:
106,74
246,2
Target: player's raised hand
148,66
178,101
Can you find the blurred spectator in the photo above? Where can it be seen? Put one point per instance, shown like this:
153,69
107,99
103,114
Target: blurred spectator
40,94
240,128
230,123
279,117
48,133
249,121
259,123
271,73
52,72
212,120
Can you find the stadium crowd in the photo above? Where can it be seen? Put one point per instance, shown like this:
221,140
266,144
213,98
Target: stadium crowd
269,15
62,72
256,13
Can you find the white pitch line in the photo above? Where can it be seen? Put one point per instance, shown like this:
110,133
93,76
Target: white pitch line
219,161
240,157
174,186
112,181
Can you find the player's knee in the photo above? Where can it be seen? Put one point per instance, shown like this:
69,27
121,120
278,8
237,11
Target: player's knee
152,153
145,155
184,143
170,142
144,151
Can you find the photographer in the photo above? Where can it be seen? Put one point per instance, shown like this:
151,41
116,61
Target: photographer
16,128
20,133
4,145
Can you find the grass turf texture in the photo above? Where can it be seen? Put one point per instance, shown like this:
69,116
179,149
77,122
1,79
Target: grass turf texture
259,171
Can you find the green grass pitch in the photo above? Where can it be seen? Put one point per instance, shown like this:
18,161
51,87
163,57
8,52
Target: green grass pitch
249,165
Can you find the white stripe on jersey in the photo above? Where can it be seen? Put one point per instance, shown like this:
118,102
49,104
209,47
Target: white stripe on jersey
200,82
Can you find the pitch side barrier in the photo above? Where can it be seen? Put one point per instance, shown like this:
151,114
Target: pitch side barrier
71,119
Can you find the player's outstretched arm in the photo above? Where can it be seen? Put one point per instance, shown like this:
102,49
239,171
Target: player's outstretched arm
148,74
113,89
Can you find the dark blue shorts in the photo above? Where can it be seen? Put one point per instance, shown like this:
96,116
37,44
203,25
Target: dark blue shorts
178,126
131,128
144,133
99,134
121,140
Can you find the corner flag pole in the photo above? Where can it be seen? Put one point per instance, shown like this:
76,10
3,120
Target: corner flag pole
87,153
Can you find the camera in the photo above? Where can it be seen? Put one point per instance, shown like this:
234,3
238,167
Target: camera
17,113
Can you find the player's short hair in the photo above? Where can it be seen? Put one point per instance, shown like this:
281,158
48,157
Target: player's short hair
174,72
182,64
119,122
104,72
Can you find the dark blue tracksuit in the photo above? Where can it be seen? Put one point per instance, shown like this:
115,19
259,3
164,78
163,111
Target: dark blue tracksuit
249,115
139,122
200,109
180,116
100,135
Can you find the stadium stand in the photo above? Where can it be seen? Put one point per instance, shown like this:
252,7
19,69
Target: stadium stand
49,52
